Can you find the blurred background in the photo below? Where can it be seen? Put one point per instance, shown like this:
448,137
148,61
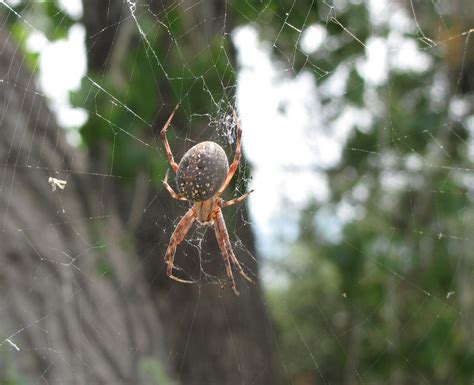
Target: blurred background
358,138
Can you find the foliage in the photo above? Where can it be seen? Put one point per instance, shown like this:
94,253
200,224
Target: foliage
381,300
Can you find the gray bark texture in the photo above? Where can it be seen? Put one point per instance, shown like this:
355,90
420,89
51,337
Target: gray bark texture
62,319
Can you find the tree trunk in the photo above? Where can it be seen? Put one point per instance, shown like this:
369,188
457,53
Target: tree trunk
74,308
80,303
212,336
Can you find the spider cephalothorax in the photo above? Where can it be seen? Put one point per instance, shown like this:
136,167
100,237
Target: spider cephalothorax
201,176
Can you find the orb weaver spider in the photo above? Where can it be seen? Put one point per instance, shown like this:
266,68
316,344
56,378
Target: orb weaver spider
202,175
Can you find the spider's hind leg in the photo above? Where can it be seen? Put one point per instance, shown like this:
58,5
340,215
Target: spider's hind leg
168,188
169,154
235,162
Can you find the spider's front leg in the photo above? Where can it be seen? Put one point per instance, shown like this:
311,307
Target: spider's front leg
226,249
176,238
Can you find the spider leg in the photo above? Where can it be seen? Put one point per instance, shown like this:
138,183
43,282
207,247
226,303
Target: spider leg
176,238
169,154
235,163
170,190
237,200
226,249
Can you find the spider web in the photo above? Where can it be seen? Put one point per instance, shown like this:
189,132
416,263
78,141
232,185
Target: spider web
299,122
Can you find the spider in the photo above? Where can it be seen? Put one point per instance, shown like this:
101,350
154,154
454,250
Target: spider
201,177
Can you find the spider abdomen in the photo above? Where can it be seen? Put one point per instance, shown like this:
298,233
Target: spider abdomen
202,171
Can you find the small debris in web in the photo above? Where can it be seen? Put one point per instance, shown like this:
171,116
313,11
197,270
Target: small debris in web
12,344
56,183
450,293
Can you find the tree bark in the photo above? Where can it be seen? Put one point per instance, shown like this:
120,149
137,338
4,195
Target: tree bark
64,318
212,336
